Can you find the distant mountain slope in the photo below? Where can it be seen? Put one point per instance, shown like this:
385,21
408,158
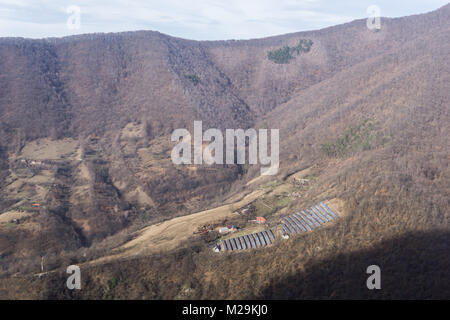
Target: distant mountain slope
264,85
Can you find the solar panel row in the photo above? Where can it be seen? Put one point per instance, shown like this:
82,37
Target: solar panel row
268,240
328,209
258,242
229,245
244,246
302,221
311,218
315,216
224,246
238,243
254,240
320,215
298,226
324,212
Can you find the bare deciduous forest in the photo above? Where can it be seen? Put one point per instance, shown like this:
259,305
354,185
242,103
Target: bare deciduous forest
364,117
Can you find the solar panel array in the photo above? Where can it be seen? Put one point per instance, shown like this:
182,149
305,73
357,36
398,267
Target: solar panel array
248,241
302,221
308,219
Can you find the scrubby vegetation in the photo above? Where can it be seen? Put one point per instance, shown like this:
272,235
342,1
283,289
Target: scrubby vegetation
303,46
282,55
193,77
285,54
364,136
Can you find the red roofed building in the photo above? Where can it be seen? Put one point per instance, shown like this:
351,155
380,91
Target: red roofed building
260,220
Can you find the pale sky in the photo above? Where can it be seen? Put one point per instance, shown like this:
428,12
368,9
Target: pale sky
191,19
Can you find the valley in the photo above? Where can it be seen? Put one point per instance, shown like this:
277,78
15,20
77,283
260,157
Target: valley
87,178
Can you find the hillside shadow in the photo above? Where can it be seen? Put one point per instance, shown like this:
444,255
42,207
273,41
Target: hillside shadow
413,266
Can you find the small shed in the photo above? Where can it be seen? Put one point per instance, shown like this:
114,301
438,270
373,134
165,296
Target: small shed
223,230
